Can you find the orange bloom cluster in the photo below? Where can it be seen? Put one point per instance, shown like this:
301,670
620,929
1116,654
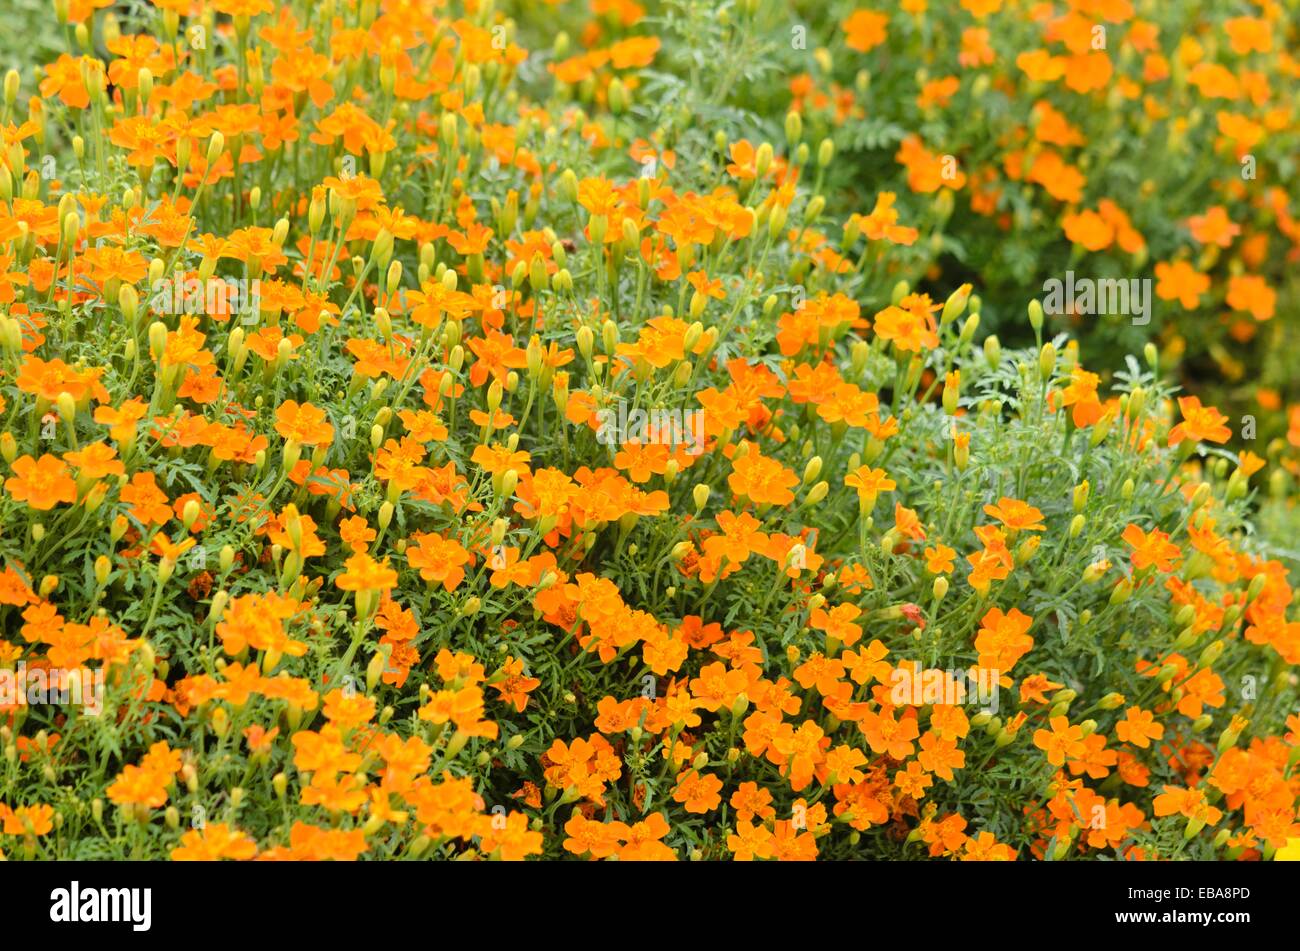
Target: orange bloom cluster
534,474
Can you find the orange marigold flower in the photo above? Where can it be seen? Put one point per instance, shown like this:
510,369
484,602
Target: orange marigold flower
939,560
148,502
1061,741
215,841
869,482
1199,423
1016,515
1139,728
365,574
1181,282
698,792
864,30
1003,639
304,424
42,483
1153,548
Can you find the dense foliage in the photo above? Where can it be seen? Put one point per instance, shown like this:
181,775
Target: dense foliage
442,438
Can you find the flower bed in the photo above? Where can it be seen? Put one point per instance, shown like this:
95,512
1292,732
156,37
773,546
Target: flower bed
417,445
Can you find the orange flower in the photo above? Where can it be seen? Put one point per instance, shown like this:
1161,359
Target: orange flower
1213,227
1034,687
215,841
1061,180
1003,639
838,623
514,684
698,792
869,482
1089,230
303,424
739,537
34,821
939,755
642,841
1139,728
885,735
42,483
148,502
64,77
1016,515
439,560
1041,66
1060,741
881,224
864,30
983,847
1188,802
1251,293
908,330
512,840
365,574
1150,549
939,560
356,533
1181,282
138,786
742,160
1199,423
762,480
1081,395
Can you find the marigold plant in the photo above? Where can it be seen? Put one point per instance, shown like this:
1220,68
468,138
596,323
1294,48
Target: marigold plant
440,430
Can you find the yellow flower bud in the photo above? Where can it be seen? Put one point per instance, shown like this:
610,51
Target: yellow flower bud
955,305
1036,315
216,145
1046,360
951,392
825,152
1211,653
